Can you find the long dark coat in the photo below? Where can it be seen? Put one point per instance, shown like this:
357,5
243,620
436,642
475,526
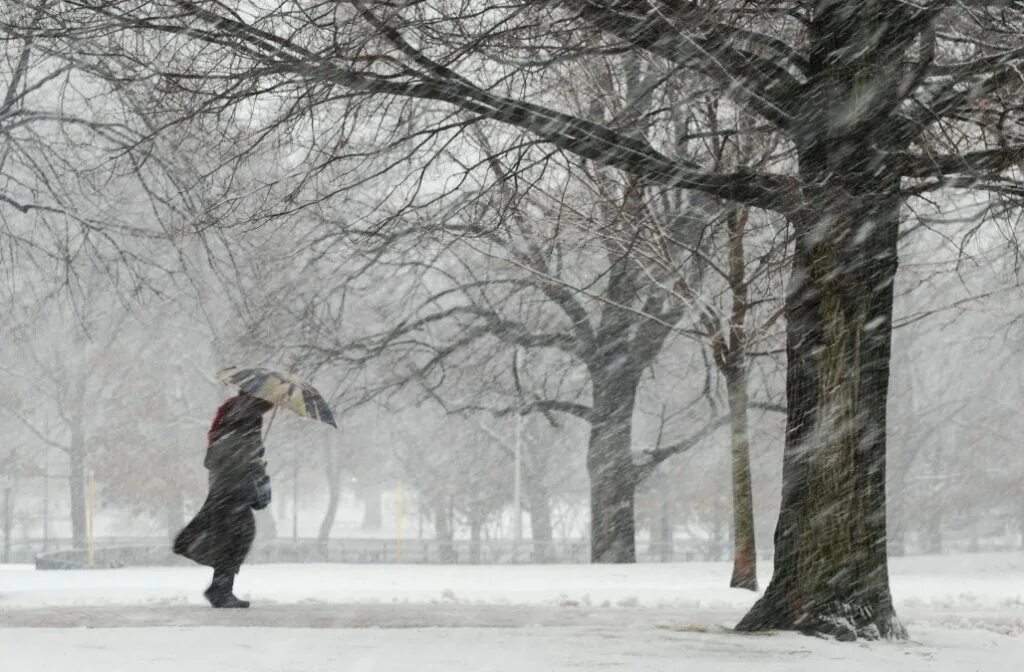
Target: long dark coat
222,532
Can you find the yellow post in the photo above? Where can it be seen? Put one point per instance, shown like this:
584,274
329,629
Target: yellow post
90,494
398,521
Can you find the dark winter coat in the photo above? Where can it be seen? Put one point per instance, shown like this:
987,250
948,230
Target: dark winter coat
222,532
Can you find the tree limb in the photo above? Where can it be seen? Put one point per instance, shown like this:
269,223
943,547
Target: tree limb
650,459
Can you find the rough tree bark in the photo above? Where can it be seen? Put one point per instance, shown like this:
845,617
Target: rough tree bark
744,568
831,567
734,364
831,572
612,472
622,349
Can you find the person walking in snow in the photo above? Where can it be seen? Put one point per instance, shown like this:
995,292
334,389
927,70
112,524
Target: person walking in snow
221,534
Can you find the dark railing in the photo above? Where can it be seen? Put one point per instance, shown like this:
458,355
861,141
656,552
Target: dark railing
120,552
140,551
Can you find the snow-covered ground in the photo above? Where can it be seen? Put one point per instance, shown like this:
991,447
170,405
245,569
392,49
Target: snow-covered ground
964,613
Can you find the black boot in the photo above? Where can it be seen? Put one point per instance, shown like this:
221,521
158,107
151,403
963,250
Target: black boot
219,593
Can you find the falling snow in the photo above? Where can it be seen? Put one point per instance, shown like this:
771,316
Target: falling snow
562,334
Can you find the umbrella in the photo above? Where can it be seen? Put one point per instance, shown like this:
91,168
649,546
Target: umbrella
281,389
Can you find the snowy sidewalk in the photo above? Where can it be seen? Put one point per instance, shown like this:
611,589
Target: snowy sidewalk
964,613
556,649
988,581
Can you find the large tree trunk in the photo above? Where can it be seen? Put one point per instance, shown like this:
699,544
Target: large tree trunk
612,474
744,567
831,567
831,573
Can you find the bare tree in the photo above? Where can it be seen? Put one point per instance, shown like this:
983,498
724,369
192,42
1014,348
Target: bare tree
877,100
67,370
147,436
606,337
733,285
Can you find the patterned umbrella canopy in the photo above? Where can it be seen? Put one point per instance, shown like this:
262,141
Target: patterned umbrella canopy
280,389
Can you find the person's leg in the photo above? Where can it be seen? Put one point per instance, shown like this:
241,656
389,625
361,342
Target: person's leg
233,529
238,532
220,593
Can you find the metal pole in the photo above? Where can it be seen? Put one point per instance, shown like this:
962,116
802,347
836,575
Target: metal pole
89,529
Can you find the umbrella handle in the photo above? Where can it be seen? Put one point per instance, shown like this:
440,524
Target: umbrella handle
270,423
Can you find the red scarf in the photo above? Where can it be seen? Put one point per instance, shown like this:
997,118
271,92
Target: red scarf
257,404
219,418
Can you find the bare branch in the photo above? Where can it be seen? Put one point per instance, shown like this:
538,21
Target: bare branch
650,459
